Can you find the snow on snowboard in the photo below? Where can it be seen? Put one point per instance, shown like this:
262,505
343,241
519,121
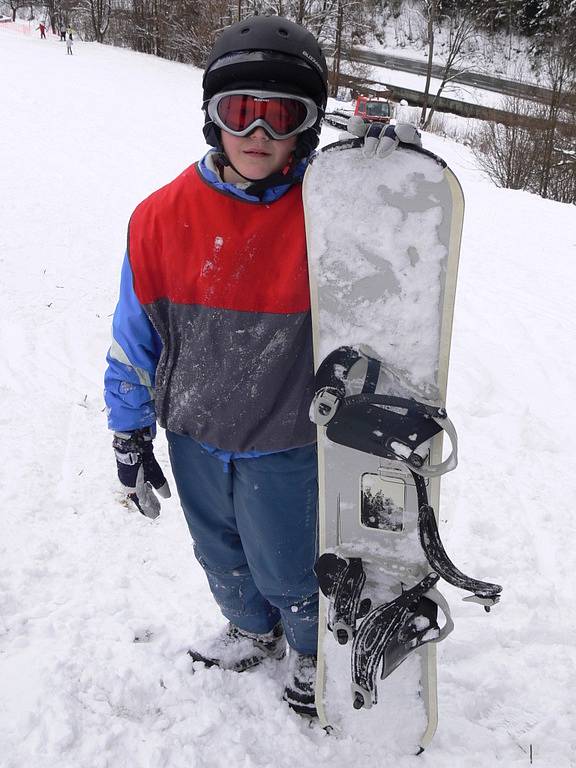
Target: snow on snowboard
383,242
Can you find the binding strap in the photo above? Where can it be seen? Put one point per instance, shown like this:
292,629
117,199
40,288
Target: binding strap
341,580
386,425
483,592
392,631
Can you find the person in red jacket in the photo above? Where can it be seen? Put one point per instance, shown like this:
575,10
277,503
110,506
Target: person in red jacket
212,339
42,28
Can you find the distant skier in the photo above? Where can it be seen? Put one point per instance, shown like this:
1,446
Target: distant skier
42,28
69,43
63,33
212,337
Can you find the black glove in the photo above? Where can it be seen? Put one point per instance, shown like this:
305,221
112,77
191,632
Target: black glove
138,470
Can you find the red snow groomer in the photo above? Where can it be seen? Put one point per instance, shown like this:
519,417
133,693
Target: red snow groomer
373,109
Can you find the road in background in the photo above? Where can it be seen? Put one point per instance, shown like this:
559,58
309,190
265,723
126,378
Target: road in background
473,79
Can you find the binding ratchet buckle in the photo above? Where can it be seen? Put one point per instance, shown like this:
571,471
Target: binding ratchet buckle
325,404
391,426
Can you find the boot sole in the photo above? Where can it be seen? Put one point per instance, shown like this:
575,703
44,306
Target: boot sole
249,663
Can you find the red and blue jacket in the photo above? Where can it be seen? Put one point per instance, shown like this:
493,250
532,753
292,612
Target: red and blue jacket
212,333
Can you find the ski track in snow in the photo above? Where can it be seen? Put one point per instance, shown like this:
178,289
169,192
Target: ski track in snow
97,605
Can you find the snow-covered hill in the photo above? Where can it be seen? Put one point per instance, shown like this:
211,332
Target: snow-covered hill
97,605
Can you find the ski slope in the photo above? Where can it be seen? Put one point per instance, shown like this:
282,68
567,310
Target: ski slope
98,605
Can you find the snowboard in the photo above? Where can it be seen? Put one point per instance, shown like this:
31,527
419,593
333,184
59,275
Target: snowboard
383,238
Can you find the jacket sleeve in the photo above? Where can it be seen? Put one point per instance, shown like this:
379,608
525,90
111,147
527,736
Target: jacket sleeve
132,360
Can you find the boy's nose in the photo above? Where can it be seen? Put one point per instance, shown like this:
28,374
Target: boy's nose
259,133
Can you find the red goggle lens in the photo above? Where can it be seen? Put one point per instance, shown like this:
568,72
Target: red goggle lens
283,115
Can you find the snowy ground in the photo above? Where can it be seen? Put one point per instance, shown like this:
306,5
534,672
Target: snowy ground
97,605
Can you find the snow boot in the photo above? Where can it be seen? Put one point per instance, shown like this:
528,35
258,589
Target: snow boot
300,689
235,649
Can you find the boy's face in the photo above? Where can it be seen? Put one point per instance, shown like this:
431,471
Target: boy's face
255,156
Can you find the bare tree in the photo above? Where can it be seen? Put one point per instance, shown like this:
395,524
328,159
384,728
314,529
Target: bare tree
509,153
462,29
432,15
98,12
559,142
15,5
194,29
537,154
54,14
337,57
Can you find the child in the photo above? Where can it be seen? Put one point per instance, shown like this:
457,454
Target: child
212,338
69,43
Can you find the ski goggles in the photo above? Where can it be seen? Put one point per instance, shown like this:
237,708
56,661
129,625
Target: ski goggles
280,114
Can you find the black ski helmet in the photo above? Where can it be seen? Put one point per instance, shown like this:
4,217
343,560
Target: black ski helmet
267,53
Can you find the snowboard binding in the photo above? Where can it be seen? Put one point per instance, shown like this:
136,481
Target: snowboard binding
399,428
390,632
387,633
392,426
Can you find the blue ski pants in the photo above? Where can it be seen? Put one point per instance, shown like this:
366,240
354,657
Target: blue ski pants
255,534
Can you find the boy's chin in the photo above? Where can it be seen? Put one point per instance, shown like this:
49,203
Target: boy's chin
256,173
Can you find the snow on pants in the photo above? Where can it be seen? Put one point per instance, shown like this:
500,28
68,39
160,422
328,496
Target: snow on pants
255,534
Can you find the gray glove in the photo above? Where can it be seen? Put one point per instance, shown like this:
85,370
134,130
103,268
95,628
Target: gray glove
381,140
139,472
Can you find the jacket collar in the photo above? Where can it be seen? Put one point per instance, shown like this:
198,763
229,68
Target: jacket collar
211,173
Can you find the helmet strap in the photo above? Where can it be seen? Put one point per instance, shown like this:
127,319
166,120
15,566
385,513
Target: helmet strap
257,187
